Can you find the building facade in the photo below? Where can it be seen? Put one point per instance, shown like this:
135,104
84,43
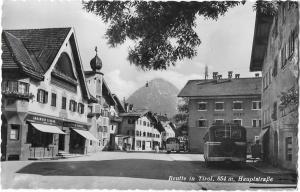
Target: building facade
217,100
139,127
44,94
275,52
166,127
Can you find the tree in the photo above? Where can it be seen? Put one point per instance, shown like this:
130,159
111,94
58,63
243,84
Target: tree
163,32
181,118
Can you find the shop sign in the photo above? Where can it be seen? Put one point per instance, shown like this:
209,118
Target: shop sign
43,120
74,125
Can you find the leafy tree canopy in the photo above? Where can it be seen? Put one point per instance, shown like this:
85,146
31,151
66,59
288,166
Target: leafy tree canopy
163,32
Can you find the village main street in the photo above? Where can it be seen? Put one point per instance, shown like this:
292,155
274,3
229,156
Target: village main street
133,170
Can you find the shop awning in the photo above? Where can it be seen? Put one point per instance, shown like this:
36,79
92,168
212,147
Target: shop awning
86,134
262,133
47,128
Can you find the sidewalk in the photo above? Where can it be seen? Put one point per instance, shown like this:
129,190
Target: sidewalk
269,169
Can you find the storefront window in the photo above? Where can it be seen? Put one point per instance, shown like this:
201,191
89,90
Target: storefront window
14,132
38,138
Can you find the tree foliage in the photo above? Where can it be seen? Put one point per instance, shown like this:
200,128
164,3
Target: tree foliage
163,32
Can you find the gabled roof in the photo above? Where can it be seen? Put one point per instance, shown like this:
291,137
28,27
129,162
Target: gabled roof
107,93
41,44
32,51
262,28
118,103
135,113
224,87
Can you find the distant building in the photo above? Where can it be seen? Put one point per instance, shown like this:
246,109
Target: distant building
275,52
220,100
138,127
167,128
44,94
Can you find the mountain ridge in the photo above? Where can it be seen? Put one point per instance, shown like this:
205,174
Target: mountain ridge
158,95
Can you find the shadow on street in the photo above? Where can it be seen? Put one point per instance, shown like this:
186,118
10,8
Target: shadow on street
141,168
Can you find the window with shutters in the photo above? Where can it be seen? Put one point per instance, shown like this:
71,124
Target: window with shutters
73,105
201,123
80,108
42,96
256,105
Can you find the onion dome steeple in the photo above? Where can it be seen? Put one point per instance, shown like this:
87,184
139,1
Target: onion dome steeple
96,63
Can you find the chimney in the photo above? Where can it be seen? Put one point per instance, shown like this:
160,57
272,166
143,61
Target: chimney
130,107
126,107
256,74
219,76
215,74
237,76
230,74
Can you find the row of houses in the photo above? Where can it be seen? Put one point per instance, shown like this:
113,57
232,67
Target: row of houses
266,106
51,106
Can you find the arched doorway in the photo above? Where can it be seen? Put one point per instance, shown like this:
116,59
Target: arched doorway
275,148
3,137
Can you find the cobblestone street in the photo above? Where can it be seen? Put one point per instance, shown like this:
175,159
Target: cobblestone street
121,170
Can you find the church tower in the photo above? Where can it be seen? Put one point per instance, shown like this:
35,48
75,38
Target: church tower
94,78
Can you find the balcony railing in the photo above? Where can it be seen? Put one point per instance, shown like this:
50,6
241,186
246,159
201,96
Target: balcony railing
16,89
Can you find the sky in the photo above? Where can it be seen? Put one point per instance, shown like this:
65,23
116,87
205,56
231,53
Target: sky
226,43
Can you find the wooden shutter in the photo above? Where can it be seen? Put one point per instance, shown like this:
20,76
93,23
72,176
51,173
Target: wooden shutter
38,96
45,97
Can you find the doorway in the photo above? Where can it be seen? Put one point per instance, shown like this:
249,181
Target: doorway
61,142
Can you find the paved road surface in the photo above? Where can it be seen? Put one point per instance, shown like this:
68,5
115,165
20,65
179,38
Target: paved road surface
121,170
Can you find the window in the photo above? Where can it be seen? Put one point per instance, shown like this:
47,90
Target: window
14,132
53,99
219,106
73,105
144,134
137,133
256,123
256,105
138,144
91,142
202,106
237,105
202,123
90,109
64,103
144,123
42,96
288,148
130,121
99,142
237,121
23,87
80,108
148,124
219,121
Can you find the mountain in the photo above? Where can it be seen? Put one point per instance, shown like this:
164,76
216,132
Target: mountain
160,96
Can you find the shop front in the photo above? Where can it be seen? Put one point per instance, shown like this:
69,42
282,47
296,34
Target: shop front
78,136
42,136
